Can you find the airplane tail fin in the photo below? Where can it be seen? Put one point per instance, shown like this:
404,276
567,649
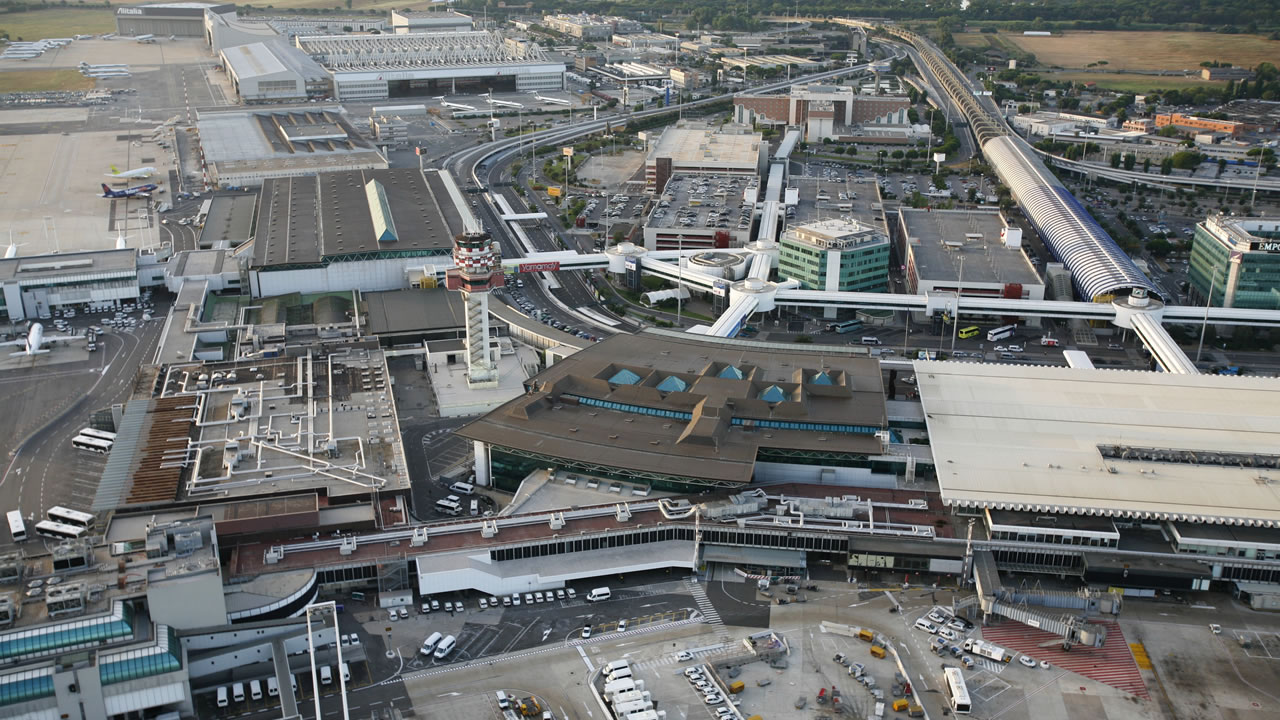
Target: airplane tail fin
106,191
114,171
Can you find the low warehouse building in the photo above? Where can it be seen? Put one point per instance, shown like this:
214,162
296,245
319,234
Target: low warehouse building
184,19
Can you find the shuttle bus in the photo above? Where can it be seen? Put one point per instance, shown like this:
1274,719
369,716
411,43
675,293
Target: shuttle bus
957,691
1001,333
67,516
100,434
96,445
58,530
17,528
847,326
971,331
448,507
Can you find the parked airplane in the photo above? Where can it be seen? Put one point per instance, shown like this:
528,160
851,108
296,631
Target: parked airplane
456,106
145,38
32,342
141,172
500,103
139,191
553,101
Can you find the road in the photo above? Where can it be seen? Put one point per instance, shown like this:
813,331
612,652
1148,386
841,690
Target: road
41,468
485,165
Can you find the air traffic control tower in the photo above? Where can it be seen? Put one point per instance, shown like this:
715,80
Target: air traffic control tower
477,270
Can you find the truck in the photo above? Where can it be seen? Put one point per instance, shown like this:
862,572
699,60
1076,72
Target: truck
987,650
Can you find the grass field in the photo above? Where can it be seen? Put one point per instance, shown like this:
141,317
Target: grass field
58,22
1136,50
28,80
1131,82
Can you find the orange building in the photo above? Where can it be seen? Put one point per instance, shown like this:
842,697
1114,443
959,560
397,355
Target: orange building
1191,122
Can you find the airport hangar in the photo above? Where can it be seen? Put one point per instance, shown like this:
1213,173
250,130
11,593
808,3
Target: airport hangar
184,19
378,67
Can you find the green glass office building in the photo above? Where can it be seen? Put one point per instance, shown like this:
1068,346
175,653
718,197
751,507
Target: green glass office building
1236,262
835,254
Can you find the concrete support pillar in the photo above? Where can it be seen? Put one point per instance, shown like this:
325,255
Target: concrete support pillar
482,463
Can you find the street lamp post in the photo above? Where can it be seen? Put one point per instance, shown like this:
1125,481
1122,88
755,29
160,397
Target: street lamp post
1213,281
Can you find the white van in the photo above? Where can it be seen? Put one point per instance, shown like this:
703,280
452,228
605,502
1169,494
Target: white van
475,507
445,647
616,665
255,689
620,674
600,593
504,700
237,692
326,675
346,673
463,488
273,687
222,697
429,645
870,340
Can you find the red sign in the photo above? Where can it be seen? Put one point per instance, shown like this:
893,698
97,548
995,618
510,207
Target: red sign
540,267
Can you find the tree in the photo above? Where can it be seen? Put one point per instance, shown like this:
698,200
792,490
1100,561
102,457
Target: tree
1115,160
1166,166
1222,165
1130,160
1159,247
1185,160
1146,165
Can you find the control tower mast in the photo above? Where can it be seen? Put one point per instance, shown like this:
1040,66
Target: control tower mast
477,270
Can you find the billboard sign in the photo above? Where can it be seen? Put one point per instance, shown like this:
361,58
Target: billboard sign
567,152
1268,246
631,263
540,267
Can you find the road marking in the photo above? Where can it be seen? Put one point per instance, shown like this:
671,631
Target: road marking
586,660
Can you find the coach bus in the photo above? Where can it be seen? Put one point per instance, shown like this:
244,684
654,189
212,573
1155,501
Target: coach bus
971,331
100,434
1001,333
67,516
92,444
957,691
58,530
847,326
17,528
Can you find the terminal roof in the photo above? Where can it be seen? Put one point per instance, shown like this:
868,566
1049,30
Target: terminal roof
939,238
615,403
1104,442
309,220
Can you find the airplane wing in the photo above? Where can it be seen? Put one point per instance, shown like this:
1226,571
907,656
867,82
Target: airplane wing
50,338
9,343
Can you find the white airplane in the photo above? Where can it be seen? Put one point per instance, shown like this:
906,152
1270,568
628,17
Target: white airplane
553,101
35,337
456,106
141,172
500,103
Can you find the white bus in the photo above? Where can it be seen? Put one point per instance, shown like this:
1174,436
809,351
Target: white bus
57,530
92,444
957,691
17,528
100,434
448,507
1001,333
67,516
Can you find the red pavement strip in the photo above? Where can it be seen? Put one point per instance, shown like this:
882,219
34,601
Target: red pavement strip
1112,664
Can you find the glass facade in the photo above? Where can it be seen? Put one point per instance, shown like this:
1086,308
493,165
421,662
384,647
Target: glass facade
161,658
25,686
863,268
61,637
1257,287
